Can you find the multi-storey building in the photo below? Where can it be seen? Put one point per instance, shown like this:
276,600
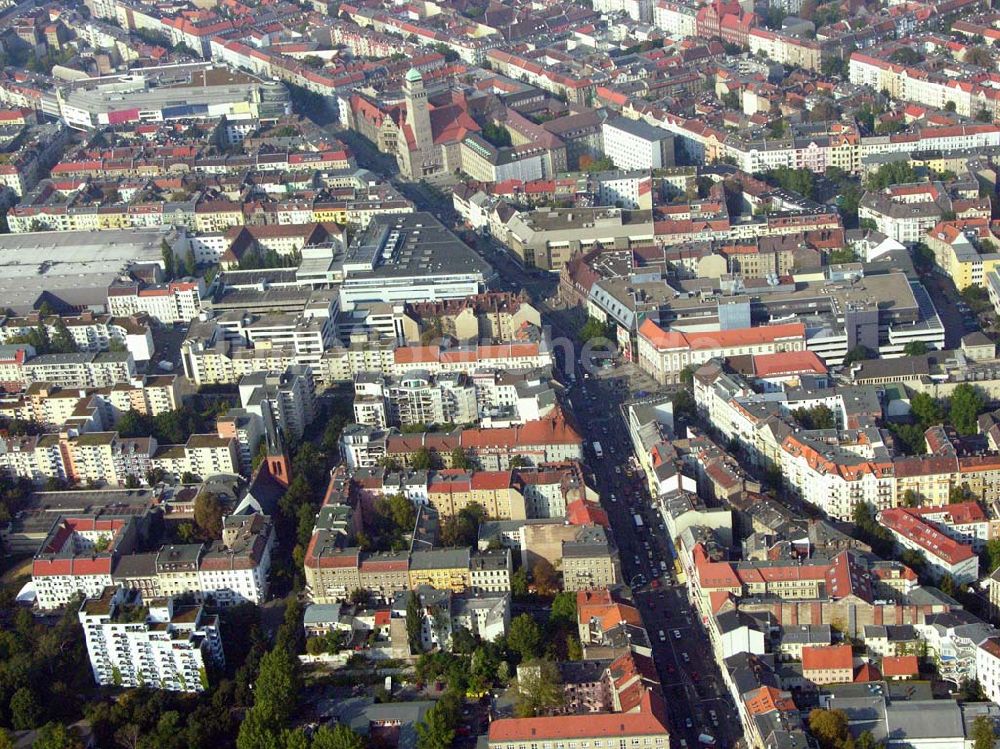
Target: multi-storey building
77,557
944,555
490,571
100,370
837,472
635,144
289,396
157,643
663,354
548,440
177,301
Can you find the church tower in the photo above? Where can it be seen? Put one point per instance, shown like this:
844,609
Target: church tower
417,115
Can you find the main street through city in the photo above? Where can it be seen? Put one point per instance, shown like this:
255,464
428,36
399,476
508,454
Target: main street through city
694,691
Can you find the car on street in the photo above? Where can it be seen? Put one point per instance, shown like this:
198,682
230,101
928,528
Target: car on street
677,634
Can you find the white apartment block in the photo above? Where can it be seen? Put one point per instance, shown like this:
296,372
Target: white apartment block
944,555
177,301
635,144
98,370
988,667
290,395
637,10
161,645
209,454
675,19
836,478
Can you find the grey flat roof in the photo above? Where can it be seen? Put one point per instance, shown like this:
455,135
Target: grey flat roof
71,262
425,247
638,128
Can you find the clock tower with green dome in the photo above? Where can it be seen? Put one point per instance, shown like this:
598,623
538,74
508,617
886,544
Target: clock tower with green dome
419,120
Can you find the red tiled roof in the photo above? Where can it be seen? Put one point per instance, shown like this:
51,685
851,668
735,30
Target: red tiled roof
788,362
826,657
930,539
900,665
663,339
596,725
585,512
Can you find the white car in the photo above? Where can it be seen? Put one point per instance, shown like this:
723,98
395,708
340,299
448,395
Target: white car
663,636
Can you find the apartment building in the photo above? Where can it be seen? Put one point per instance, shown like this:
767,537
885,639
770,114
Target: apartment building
77,556
156,643
443,569
548,440
92,370
836,472
590,561
490,571
635,144
209,454
944,555
288,395
645,726
332,573
174,302
959,249
416,397
906,213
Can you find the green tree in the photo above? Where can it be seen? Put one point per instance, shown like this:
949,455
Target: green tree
993,554
459,459
422,460
463,641
829,727
524,637
593,329
915,348
208,514
402,512
56,736
801,181
436,730
563,608
906,56
539,689
893,173
258,731
950,106
927,410
965,405
984,733
519,583
25,712
277,688
414,623
910,498
337,737
169,260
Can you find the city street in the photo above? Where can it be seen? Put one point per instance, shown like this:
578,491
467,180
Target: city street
693,688
683,655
